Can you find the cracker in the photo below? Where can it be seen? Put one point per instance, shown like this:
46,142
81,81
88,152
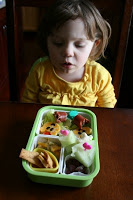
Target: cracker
46,160
43,160
31,157
49,160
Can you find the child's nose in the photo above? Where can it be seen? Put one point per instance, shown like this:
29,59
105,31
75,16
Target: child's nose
68,51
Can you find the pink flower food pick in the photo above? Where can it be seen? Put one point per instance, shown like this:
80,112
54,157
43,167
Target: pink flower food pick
64,132
87,146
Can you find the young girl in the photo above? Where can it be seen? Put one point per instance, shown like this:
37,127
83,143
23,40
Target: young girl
73,34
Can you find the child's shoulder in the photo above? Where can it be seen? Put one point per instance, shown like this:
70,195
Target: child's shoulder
96,67
41,64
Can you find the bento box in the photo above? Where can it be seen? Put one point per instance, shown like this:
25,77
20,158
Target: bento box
58,175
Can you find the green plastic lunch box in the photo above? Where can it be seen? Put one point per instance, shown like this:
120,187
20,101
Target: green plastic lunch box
59,177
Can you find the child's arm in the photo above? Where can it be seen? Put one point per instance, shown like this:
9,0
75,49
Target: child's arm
106,94
31,90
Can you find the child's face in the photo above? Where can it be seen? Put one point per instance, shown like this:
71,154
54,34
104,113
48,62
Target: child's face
69,47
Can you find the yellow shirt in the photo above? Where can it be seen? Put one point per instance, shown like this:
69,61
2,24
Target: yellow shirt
44,86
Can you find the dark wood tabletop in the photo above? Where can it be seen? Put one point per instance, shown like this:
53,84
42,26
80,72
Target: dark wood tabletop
115,137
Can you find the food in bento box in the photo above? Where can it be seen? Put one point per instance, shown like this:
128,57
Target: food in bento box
46,160
72,114
78,132
80,121
82,149
31,157
39,158
60,116
68,139
50,128
75,137
73,165
84,152
54,121
50,146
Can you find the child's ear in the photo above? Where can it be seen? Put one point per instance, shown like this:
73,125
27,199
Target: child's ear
97,42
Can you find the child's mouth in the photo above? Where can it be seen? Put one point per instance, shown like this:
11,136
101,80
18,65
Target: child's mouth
67,65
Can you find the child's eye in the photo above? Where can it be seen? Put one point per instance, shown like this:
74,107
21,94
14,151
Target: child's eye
80,45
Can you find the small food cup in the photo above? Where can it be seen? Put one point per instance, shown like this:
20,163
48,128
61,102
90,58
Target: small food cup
51,170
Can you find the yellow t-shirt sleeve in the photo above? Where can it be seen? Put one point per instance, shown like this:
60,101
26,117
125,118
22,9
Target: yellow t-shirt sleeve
105,94
31,90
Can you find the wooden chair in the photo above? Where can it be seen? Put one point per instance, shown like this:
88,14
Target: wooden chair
14,32
122,46
15,38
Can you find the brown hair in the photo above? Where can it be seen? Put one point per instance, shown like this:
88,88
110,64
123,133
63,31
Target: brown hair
98,29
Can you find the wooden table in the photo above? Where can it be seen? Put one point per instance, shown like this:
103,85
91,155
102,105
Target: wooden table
115,135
